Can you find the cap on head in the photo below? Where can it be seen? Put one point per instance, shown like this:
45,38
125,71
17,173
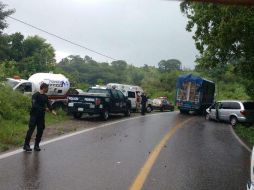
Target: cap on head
43,86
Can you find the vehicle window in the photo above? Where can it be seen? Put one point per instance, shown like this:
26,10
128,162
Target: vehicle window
120,94
98,91
28,87
12,83
115,94
131,94
248,105
212,106
234,105
225,105
25,87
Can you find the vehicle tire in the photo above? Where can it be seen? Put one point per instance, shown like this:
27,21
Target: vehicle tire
149,109
127,113
77,115
105,115
233,120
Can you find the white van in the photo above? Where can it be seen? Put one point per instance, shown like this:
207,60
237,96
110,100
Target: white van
132,92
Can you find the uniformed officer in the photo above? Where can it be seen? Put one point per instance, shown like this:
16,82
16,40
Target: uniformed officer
40,104
143,103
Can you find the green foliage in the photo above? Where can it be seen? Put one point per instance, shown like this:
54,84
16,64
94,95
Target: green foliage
13,105
3,14
169,65
223,35
25,56
246,133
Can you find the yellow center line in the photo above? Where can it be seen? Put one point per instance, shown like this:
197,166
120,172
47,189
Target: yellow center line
141,177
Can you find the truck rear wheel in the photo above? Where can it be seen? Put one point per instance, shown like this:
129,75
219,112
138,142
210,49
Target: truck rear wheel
105,115
127,113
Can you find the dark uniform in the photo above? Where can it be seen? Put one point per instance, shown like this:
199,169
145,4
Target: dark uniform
37,117
143,104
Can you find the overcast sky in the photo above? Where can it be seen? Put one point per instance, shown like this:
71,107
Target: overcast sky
137,31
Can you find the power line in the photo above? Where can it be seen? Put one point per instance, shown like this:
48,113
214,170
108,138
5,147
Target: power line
61,38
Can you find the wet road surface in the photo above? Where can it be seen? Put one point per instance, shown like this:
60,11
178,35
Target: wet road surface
201,155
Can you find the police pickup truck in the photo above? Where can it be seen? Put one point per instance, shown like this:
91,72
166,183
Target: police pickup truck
101,101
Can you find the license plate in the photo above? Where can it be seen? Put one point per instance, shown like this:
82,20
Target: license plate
71,104
80,109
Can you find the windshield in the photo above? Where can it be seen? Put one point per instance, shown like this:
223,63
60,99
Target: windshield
98,91
12,83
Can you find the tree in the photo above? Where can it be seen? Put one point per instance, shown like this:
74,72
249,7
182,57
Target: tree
223,35
3,14
38,56
16,46
169,65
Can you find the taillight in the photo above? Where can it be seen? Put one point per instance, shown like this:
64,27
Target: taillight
97,101
243,112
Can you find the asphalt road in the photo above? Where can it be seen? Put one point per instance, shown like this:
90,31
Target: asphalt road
190,154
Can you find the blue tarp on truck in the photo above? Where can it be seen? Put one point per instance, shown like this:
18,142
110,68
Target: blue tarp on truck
194,93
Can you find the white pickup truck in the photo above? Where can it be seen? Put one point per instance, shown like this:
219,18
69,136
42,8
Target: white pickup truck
58,86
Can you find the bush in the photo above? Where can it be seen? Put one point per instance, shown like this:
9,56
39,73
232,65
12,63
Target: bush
13,105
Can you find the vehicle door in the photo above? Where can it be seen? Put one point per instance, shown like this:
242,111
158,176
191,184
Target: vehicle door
115,101
122,101
213,110
132,98
224,111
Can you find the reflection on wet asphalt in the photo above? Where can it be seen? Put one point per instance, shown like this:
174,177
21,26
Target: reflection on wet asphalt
202,155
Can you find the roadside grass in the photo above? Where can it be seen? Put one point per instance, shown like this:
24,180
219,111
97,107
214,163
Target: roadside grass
246,133
12,133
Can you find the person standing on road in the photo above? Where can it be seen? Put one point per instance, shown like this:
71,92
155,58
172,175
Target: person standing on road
40,104
143,103
217,106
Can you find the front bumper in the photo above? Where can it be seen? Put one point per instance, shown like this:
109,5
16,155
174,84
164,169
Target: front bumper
86,108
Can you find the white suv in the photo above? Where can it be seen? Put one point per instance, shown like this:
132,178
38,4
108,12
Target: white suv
232,110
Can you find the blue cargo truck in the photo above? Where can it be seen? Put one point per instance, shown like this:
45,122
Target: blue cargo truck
194,93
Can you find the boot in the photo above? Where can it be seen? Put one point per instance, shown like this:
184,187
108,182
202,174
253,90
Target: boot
27,148
37,148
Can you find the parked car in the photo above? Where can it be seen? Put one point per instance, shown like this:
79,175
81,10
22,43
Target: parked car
232,111
250,184
99,101
162,104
